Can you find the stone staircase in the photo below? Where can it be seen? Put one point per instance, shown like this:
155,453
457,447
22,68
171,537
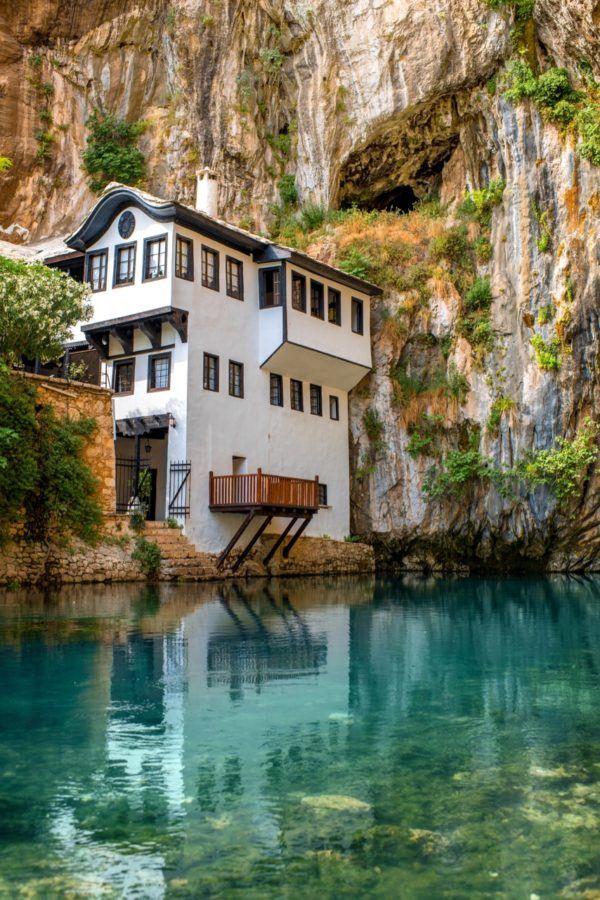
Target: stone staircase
311,556
180,559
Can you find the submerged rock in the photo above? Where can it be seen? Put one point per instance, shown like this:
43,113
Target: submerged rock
337,803
429,841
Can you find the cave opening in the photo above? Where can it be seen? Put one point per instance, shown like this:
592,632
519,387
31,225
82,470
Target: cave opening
399,199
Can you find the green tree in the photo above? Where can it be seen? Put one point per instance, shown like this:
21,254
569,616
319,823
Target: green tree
18,465
38,308
112,152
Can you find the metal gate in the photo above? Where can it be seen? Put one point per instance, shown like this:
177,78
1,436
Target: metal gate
128,491
179,488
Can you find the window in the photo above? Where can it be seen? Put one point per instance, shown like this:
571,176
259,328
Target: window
334,408
124,376
334,307
124,264
296,398
276,390
298,292
210,269
155,258
159,372
97,264
316,299
184,258
357,316
234,277
270,287
316,400
236,379
322,494
211,372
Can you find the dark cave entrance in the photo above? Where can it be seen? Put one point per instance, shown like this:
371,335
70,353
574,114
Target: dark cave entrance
400,199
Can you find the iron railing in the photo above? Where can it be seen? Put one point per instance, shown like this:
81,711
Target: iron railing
131,482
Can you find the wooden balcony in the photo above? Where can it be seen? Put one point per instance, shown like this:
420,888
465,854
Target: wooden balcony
272,493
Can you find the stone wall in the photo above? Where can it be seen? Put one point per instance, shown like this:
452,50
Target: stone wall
22,562
74,399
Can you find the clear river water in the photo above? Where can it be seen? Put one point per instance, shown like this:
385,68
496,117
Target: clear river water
306,738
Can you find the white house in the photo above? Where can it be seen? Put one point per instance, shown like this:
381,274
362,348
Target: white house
231,359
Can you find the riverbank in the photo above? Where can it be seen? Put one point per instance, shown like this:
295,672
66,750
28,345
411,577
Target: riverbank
111,560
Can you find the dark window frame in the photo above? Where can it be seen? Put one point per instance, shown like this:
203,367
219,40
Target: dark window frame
293,383
334,402
88,269
261,287
117,253
232,363
150,240
321,311
358,304
232,260
205,370
338,306
278,379
151,360
296,276
323,498
180,239
118,364
204,249
315,390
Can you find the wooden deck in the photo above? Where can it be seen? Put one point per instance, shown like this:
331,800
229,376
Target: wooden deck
272,493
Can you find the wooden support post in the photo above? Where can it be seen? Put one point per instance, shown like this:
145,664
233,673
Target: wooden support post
235,539
249,546
279,541
290,546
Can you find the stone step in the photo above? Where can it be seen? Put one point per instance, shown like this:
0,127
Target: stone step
187,562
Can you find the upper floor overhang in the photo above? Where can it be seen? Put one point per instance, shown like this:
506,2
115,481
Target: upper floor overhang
118,197
98,334
306,364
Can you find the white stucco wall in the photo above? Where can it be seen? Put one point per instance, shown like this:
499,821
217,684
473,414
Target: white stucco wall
319,334
142,295
277,439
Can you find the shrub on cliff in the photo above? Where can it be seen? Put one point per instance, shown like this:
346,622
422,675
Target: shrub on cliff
112,152
559,102
38,308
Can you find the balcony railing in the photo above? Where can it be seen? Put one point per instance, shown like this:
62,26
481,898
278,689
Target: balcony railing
236,493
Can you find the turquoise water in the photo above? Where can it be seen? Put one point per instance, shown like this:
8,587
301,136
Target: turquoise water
308,738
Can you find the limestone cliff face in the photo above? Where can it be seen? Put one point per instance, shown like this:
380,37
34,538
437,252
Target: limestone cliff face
356,98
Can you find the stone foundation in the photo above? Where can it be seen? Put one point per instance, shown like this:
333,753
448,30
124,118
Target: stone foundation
23,563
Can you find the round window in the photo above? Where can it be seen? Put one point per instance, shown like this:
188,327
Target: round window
126,224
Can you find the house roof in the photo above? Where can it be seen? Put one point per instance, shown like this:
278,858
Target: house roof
117,197
41,251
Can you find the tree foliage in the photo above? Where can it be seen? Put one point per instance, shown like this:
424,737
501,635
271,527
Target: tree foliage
112,152
38,308
46,487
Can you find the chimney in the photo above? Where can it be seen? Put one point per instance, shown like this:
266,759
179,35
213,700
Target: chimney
207,192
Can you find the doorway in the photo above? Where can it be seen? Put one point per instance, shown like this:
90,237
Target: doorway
239,465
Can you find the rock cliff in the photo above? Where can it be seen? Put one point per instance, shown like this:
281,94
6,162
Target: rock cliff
378,103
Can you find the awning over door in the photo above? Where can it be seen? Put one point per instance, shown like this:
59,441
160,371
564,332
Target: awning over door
144,425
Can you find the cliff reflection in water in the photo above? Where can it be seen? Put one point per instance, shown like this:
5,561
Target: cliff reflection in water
149,734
